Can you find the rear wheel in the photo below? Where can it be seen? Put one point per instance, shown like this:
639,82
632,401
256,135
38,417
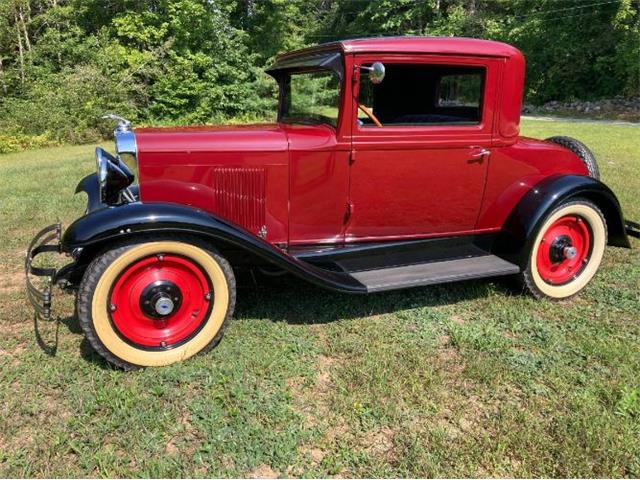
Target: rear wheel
581,150
566,252
156,302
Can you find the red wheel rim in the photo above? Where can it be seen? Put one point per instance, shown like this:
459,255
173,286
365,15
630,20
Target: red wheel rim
564,250
141,313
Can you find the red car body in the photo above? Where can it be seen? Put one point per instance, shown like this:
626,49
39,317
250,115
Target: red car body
323,185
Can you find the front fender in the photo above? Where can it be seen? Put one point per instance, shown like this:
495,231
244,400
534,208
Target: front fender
109,225
517,235
91,187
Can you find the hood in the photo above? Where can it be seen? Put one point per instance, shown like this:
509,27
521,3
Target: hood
237,172
248,138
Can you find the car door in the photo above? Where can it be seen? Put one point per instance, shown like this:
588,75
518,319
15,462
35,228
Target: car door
317,122
421,171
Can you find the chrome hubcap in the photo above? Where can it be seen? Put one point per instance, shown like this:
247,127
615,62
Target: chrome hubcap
570,252
164,306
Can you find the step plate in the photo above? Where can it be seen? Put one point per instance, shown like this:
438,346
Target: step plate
434,272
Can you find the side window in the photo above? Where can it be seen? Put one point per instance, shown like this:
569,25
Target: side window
423,95
312,97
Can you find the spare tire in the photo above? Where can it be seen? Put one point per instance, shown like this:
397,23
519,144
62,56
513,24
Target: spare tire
581,150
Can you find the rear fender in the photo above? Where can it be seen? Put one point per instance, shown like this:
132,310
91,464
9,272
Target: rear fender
107,226
518,233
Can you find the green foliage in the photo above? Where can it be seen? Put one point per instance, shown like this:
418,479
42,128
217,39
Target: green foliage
17,143
629,403
575,49
65,63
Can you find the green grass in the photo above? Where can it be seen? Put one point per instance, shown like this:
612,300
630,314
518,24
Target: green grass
457,380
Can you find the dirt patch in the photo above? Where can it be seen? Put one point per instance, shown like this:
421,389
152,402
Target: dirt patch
263,471
11,282
16,352
171,448
14,328
380,443
313,401
450,359
509,335
316,455
190,439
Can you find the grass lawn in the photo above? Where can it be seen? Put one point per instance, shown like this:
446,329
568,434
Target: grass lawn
458,380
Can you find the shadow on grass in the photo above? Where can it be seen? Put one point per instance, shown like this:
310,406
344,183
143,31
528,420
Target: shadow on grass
287,299
50,348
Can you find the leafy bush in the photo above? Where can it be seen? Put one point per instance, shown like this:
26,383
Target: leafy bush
17,142
67,105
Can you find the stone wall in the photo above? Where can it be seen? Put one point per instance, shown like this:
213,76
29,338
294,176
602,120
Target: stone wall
616,108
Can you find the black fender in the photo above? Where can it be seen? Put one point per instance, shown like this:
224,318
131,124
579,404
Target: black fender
99,228
518,233
91,187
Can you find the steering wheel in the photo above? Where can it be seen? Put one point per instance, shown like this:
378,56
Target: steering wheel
369,113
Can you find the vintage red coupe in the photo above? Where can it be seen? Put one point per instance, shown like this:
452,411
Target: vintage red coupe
394,162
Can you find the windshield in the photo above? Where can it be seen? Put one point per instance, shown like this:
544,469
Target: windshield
311,97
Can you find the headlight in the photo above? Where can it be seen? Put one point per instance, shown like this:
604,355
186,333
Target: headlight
126,148
113,176
102,164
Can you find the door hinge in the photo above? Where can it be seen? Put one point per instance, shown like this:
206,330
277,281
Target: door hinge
348,212
352,157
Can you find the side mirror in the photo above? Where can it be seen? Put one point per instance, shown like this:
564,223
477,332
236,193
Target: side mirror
376,72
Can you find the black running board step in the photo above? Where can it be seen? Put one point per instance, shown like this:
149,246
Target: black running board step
434,272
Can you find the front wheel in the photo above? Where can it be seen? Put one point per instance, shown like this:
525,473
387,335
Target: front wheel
153,303
566,251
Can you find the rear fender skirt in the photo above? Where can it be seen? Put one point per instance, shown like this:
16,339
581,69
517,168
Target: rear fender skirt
99,228
514,241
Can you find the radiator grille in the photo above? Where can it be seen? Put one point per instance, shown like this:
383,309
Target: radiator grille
240,195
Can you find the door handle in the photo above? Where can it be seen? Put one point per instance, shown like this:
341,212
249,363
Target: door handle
478,157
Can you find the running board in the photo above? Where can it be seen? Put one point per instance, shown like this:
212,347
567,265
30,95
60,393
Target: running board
417,275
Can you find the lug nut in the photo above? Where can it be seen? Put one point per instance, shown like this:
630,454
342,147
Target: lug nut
112,307
207,296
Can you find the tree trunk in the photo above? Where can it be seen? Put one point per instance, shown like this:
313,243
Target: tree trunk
471,8
20,49
24,29
4,85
